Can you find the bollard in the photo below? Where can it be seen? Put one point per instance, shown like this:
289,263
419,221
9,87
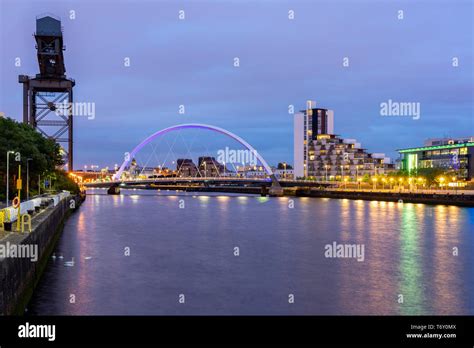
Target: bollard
7,224
23,223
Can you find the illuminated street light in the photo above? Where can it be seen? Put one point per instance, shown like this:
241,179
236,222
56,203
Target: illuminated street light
441,181
28,178
374,180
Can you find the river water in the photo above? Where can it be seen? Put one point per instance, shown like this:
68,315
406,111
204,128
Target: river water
149,252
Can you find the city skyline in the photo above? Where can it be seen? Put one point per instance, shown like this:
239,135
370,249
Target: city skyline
193,160
277,68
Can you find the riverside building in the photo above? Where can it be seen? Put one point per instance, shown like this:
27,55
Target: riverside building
323,155
454,155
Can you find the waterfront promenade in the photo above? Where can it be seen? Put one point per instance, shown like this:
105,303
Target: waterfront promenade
23,255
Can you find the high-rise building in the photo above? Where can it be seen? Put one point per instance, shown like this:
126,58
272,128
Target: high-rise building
308,124
320,154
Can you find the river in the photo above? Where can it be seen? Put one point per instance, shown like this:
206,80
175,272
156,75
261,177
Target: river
147,252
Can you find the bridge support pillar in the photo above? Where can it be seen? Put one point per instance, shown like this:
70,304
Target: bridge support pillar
275,190
113,190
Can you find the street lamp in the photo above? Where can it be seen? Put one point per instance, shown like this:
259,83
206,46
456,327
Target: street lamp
374,180
359,181
441,181
8,174
28,178
384,181
420,182
391,183
345,183
326,173
410,185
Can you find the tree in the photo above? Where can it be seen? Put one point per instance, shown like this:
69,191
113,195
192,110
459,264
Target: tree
45,154
430,174
284,166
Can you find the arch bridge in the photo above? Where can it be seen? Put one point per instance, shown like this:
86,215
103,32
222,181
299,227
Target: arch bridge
275,185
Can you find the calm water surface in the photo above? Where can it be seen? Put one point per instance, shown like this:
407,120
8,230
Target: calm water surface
190,251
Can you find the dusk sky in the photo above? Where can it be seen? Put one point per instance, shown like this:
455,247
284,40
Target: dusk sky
282,62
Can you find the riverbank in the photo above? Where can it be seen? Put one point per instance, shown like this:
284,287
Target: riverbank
445,198
463,200
24,255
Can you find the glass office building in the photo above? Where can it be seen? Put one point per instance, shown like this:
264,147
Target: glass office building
452,156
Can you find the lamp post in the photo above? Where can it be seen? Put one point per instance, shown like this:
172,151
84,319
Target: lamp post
441,180
391,183
374,180
28,178
326,173
359,182
18,187
8,173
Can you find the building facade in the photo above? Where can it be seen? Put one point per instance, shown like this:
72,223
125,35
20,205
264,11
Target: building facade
322,155
185,167
308,124
455,156
284,173
209,167
333,158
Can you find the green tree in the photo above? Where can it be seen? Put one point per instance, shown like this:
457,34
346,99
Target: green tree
45,157
430,174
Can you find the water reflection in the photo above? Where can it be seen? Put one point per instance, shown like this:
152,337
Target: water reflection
411,282
448,287
408,250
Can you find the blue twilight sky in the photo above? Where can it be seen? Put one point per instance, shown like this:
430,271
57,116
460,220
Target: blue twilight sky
282,62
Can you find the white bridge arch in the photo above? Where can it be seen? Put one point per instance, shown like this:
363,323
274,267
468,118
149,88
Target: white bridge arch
137,148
